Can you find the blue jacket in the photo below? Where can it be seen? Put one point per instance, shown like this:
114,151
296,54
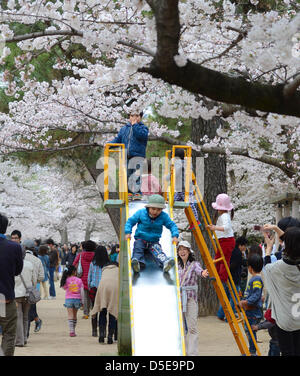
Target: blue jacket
253,295
150,229
11,265
135,138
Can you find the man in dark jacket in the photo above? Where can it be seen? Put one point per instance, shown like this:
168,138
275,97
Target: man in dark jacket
135,137
11,265
53,258
236,263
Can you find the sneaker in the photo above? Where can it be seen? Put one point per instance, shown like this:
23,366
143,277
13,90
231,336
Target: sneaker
38,325
137,196
135,265
85,317
72,334
168,265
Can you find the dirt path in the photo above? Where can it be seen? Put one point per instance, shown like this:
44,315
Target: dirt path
53,340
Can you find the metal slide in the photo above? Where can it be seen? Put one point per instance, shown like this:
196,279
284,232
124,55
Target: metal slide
156,318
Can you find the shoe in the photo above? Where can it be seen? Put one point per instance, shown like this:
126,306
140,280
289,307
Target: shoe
135,265
72,334
168,265
137,196
102,334
130,196
110,340
85,317
38,325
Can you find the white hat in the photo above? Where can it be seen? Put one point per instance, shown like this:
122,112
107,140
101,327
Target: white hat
185,244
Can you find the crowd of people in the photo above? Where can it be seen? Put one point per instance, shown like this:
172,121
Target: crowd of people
36,263
88,273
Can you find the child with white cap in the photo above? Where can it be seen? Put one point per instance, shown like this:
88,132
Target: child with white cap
189,271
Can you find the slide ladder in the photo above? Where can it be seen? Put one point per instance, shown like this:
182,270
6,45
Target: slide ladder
150,320
237,323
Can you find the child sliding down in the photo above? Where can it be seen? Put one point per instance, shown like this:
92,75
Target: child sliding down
151,220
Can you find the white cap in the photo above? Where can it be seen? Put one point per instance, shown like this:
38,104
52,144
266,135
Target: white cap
186,244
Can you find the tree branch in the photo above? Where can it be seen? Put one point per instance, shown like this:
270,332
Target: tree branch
290,88
266,159
207,82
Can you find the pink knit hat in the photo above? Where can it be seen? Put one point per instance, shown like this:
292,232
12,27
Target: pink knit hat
222,202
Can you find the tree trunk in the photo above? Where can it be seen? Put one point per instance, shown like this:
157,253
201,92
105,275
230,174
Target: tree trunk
64,235
214,183
90,228
114,214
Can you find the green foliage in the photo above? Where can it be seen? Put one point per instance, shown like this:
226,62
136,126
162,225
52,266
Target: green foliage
158,148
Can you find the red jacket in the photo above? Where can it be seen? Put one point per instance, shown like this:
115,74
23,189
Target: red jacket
86,258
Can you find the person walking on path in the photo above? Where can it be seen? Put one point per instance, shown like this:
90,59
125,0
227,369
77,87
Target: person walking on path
189,271
71,255
106,301
39,276
74,295
43,256
94,278
85,258
53,258
26,279
11,265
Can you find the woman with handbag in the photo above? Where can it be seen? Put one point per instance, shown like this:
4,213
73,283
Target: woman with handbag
189,270
84,259
21,284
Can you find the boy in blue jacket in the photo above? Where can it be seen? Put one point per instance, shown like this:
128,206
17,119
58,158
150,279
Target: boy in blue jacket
151,220
253,302
135,137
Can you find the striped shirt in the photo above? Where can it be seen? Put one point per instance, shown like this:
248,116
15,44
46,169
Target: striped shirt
191,278
94,275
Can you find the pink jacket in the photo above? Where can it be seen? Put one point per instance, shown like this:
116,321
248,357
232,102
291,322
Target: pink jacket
86,258
150,185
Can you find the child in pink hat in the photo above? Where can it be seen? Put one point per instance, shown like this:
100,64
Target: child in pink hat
224,233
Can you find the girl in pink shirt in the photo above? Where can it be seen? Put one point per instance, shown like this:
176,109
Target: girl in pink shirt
74,290
149,183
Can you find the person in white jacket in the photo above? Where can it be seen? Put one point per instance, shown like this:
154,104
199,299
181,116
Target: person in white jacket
39,275
22,304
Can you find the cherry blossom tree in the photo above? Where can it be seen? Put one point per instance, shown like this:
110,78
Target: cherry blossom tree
46,202
215,60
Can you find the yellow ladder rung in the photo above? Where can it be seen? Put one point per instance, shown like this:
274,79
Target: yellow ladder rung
217,260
